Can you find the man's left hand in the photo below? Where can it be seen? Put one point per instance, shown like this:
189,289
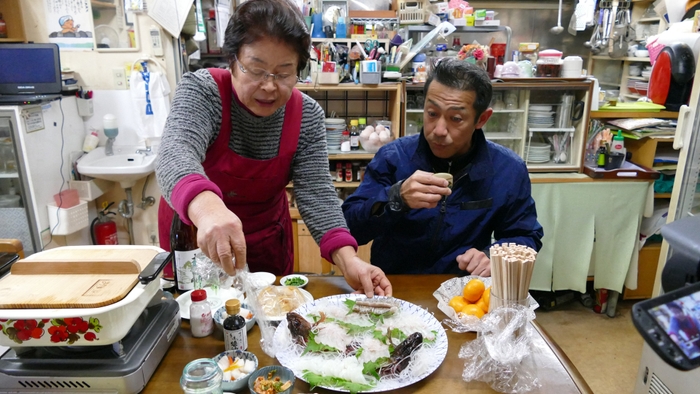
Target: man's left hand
363,277
475,262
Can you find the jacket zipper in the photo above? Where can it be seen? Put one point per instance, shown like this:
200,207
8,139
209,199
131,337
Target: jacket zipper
443,210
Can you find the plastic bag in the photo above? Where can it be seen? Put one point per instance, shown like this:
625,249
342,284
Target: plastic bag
208,274
501,355
461,322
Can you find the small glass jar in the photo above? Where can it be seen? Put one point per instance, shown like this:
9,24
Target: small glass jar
202,376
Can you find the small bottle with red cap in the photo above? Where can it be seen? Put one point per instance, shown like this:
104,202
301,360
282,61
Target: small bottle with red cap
201,322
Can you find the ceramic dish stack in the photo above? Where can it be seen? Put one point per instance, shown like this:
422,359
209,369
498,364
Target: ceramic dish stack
540,116
538,152
334,131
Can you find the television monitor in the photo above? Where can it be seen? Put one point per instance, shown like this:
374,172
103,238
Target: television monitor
30,69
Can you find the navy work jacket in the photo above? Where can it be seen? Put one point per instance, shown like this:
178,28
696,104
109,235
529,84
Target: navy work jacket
490,197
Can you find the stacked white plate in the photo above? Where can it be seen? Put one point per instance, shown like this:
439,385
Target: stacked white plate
540,116
538,152
334,131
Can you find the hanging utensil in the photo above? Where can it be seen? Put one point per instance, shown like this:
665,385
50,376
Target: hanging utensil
558,28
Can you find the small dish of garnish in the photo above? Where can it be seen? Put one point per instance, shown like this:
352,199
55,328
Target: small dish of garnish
294,280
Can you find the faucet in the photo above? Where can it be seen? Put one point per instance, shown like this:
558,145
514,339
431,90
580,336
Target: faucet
108,147
147,151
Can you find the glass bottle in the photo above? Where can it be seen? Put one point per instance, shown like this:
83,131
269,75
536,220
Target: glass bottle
354,135
183,242
201,322
202,376
235,334
345,141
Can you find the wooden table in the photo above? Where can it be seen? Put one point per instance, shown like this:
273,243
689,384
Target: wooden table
556,373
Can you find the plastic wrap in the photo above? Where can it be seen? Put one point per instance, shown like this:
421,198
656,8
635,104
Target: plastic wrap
461,322
270,305
501,355
208,274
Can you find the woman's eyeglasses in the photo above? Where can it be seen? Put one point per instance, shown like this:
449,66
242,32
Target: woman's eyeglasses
261,76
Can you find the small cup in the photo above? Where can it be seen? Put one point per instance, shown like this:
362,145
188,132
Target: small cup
445,176
614,160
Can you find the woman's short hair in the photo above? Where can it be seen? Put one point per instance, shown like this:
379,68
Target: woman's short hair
280,20
461,75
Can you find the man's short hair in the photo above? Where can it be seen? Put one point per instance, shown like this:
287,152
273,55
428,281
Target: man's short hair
461,75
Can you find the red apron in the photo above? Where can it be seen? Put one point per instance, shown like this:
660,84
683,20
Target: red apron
255,190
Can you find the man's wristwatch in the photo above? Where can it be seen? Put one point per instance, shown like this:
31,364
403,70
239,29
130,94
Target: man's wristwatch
396,203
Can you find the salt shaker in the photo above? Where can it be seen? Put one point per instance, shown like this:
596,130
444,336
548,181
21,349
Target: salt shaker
235,333
202,376
201,322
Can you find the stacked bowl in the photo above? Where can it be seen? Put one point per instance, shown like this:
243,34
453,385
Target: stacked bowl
538,152
334,131
540,116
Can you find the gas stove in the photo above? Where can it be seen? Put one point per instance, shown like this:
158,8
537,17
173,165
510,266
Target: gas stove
123,367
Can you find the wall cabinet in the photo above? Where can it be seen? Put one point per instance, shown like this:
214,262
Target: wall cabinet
12,15
526,120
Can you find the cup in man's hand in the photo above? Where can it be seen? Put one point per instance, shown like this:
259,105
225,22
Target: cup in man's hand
445,176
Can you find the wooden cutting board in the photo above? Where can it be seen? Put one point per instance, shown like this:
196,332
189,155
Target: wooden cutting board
73,278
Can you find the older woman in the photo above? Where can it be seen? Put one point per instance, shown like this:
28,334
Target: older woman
235,138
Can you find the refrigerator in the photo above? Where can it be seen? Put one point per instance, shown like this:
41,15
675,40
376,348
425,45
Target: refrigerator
36,143
654,375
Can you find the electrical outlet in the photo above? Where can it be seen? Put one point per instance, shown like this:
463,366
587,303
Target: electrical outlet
119,77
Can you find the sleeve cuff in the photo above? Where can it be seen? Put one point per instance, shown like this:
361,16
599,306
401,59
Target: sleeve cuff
187,189
334,240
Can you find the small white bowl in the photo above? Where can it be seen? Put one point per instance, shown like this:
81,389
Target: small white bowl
641,53
304,280
239,384
262,279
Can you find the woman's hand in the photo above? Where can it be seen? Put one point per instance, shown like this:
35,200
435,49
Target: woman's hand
475,262
361,276
219,231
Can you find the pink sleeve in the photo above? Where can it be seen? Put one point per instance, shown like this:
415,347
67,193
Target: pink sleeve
187,189
334,240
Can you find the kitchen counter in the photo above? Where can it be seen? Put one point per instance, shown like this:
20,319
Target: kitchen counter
556,373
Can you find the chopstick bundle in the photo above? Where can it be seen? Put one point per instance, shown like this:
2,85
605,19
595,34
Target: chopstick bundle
511,272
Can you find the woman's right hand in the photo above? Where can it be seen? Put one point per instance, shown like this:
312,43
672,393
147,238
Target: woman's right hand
219,231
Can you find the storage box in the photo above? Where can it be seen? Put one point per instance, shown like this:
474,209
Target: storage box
90,190
412,12
329,78
63,221
370,72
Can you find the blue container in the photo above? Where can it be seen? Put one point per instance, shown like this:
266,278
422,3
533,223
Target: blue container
317,21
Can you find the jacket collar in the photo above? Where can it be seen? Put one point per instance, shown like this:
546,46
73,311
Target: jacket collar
478,160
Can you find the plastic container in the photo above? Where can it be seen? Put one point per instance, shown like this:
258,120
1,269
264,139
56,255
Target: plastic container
551,56
201,321
341,28
345,141
413,12
9,200
67,198
618,143
90,141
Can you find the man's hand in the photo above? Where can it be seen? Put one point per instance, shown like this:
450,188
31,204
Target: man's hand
219,231
475,262
423,190
363,277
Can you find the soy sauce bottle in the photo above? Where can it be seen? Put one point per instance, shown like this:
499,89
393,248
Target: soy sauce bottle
235,334
183,243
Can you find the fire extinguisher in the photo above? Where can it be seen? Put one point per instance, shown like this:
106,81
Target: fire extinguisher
103,230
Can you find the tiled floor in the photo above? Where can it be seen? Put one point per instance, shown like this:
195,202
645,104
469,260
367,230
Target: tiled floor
606,351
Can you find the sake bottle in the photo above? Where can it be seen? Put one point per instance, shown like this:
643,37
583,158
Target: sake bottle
183,243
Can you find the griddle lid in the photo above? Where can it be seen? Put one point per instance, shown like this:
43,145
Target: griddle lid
682,62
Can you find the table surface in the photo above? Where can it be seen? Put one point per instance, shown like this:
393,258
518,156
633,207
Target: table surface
555,372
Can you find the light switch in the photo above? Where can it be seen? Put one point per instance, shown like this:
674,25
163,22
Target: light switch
119,77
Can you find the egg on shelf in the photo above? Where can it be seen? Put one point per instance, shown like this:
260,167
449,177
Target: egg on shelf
374,137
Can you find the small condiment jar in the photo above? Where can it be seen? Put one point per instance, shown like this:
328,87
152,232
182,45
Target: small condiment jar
201,322
202,376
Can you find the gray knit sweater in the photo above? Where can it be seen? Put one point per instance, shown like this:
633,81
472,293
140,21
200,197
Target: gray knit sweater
193,125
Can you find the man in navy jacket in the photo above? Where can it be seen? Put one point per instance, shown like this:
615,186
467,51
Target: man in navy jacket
417,222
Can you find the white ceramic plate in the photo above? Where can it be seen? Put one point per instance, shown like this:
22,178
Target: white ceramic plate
215,298
288,354
305,280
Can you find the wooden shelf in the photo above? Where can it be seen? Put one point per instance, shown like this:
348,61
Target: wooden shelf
351,156
662,195
11,40
626,114
349,86
627,58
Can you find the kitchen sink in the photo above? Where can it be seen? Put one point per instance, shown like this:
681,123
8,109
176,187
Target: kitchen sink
124,166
